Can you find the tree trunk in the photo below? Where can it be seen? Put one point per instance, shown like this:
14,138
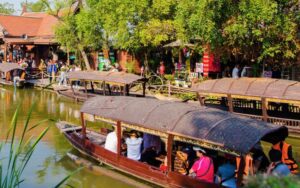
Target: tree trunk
146,63
85,58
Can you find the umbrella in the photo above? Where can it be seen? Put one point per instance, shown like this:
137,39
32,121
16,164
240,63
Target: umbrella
178,43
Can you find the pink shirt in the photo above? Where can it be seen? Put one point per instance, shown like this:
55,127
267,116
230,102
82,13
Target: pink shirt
204,169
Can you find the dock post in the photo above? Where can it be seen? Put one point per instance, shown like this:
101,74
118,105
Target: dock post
264,109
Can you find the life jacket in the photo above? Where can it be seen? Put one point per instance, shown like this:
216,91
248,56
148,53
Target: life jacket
248,170
283,147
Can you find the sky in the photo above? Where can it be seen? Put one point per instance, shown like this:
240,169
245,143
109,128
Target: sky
17,4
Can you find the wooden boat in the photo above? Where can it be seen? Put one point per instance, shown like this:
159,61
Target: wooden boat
109,83
6,72
272,100
174,122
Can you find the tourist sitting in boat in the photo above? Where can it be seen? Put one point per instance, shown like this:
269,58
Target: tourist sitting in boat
203,168
134,144
164,166
149,156
225,175
150,140
260,160
287,155
277,167
111,142
181,162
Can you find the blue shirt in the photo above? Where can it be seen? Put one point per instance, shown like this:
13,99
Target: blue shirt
134,148
281,170
227,171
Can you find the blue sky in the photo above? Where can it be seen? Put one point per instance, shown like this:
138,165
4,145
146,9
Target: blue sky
16,3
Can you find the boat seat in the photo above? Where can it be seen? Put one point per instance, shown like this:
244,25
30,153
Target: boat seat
96,140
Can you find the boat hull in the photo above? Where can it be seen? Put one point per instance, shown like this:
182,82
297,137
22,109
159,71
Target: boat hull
134,168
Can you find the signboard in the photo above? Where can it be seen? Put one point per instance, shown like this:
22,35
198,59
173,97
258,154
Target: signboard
199,67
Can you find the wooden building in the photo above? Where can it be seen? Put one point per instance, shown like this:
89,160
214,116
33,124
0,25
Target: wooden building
28,35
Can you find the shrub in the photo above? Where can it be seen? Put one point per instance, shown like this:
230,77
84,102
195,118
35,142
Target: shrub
264,181
130,66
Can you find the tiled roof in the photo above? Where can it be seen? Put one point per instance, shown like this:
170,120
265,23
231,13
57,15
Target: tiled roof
31,24
20,25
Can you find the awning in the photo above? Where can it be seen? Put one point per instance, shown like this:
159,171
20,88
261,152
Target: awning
206,125
6,67
115,77
252,87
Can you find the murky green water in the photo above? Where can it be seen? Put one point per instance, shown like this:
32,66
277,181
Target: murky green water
49,164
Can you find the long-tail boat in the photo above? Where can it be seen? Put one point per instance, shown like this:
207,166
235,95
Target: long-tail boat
215,130
109,83
8,70
272,100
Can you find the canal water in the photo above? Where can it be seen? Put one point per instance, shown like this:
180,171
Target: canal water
50,164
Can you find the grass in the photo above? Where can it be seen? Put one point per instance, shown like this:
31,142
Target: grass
263,181
20,150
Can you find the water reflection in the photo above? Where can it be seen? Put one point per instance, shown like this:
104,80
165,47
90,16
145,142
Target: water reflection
49,163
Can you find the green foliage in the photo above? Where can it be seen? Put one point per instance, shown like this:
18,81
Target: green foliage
20,151
252,30
256,30
262,181
130,66
6,8
38,6
187,96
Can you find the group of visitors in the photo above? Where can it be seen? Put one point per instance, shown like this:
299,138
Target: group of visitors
196,162
247,71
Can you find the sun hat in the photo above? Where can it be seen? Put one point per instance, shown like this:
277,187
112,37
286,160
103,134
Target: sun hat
197,148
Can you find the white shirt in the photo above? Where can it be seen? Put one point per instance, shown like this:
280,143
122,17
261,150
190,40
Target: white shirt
235,73
111,142
134,148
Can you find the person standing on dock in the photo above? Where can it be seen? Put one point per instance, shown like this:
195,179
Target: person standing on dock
52,69
63,76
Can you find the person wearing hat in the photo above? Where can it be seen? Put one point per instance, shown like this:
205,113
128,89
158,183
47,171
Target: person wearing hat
203,168
134,146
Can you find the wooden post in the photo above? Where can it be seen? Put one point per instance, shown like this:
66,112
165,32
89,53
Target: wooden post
119,137
85,88
5,53
230,103
104,88
83,124
264,109
124,90
109,89
169,151
92,86
200,98
72,88
240,173
68,57
127,89
169,88
144,88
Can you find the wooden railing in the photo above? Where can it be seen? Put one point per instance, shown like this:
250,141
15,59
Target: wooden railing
292,124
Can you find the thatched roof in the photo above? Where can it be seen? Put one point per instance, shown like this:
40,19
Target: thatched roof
256,87
6,67
202,124
115,77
